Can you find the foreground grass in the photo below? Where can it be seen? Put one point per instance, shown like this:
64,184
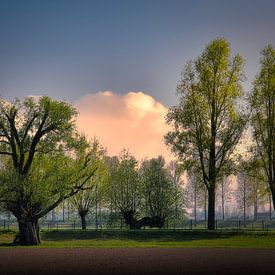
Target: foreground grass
148,238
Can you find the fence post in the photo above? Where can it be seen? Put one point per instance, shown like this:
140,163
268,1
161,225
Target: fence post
216,224
74,224
239,227
262,224
191,224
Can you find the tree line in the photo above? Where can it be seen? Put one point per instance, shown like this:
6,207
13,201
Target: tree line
45,161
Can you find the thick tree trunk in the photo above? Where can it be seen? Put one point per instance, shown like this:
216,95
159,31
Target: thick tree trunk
211,209
83,222
129,218
83,213
28,232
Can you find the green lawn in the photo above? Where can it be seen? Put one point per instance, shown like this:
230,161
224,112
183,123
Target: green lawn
149,238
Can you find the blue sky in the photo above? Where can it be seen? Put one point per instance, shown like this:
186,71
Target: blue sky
70,48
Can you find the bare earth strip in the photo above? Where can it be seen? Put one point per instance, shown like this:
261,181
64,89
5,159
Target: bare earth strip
136,261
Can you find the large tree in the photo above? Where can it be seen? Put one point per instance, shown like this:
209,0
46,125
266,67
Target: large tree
262,103
206,123
44,161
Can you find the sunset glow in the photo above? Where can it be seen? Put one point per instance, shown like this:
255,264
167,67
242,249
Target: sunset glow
135,121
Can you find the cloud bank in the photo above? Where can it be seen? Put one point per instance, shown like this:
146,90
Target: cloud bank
134,121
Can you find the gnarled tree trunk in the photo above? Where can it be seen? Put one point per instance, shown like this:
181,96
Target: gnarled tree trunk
133,223
28,231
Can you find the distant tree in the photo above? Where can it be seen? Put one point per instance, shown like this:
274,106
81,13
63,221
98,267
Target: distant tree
262,103
125,186
176,173
224,192
159,189
206,123
257,192
38,172
242,194
258,188
203,200
86,200
194,191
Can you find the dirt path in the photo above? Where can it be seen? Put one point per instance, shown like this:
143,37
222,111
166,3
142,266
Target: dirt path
136,261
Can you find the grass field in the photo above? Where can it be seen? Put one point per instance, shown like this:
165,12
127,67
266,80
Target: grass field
148,238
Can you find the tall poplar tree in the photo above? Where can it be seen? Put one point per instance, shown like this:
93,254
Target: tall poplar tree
206,124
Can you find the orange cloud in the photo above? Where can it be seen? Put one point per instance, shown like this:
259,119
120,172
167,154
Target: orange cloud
134,121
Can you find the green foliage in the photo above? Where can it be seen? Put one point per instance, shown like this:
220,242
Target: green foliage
125,185
95,188
262,102
161,195
206,115
44,160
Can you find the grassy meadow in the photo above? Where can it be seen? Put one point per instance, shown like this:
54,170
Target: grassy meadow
148,238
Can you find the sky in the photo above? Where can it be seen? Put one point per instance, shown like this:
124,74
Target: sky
104,55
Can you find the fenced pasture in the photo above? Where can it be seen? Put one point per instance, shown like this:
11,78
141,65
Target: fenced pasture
188,224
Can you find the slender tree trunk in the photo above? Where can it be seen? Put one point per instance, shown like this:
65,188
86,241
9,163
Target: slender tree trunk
222,200
96,208
68,210
100,214
205,205
270,206
195,207
256,209
63,211
272,189
211,208
244,210
28,231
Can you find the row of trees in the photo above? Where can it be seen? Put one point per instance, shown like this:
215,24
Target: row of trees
144,195
210,119
236,197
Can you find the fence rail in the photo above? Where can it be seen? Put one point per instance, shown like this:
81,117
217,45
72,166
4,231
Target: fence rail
266,225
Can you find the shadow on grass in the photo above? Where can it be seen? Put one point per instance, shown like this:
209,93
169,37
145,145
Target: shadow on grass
148,235
137,235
